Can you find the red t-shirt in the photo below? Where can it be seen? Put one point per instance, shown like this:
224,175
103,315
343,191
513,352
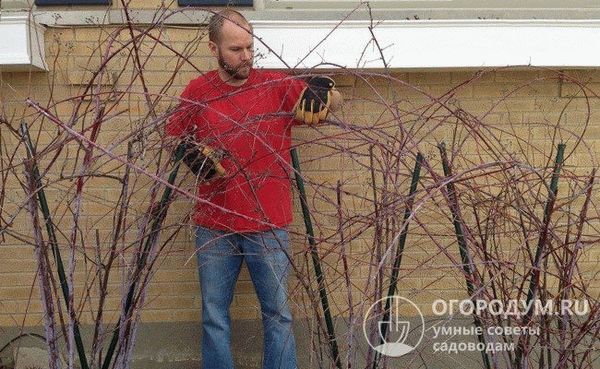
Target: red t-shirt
253,123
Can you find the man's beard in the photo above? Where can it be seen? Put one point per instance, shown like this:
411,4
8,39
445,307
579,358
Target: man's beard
235,72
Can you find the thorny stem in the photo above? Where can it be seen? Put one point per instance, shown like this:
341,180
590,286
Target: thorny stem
66,290
471,276
532,291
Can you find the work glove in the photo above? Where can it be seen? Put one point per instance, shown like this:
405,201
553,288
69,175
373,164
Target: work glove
203,161
313,105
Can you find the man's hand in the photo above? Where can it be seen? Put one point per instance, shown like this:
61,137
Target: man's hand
316,99
203,161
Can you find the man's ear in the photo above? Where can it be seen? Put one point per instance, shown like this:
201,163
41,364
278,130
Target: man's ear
213,48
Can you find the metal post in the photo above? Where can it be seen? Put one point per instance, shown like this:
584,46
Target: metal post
158,215
316,260
542,241
31,154
462,245
398,259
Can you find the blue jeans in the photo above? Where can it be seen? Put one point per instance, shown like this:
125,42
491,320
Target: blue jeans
220,256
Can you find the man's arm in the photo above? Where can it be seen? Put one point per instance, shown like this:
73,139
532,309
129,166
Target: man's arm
202,160
337,99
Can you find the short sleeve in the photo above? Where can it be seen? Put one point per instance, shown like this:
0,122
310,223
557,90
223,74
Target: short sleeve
291,89
183,119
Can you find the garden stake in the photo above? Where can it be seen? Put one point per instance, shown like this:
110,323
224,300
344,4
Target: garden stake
31,154
542,240
462,245
158,214
401,242
315,259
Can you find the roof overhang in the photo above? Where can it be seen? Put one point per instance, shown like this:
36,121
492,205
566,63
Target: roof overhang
428,44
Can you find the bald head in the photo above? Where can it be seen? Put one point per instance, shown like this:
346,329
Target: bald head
215,25
231,42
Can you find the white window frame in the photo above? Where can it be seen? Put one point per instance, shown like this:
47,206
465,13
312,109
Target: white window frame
412,41
430,44
426,4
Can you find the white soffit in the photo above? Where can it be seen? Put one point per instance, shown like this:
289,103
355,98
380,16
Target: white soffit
22,45
428,43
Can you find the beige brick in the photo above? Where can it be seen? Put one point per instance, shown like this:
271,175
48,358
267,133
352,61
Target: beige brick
245,300
162,63
92,34
62,35
518,76
244,287
517,105
427,273
85,49
28,320
583,76
429,78
249,312
460,77
342,81
185,34
19,293
588,90
16,265
144,4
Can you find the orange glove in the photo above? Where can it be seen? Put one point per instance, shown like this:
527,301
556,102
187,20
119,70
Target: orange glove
313,105
203,161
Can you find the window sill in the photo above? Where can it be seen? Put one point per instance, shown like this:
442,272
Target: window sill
428,44
25,52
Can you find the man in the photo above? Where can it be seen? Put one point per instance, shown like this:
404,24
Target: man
247,114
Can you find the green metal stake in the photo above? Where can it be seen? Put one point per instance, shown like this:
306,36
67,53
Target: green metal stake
316,260
158,215
31,154
543,239
398,260
462,244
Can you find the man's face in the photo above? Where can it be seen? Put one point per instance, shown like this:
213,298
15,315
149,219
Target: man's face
235,50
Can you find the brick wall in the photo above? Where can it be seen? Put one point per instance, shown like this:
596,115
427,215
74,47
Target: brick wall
523,104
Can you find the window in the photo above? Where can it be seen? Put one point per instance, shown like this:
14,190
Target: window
350,4
72,2
214,2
